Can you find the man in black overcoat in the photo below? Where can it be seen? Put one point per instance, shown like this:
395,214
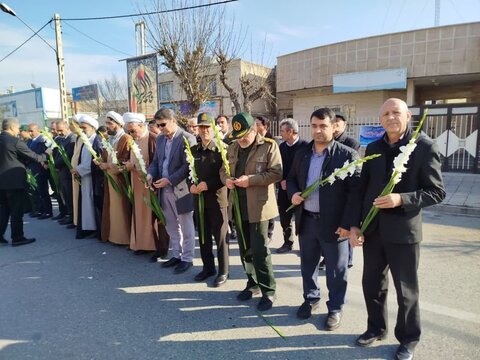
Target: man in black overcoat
392,240
13,181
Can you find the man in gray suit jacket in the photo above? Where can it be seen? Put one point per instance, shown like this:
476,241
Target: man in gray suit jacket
168,173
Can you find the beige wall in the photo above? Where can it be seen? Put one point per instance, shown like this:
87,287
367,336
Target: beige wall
237,69
443,50
364,106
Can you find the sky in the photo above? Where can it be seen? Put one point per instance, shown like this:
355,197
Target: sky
286,26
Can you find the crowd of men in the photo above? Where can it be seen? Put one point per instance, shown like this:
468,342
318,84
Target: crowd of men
106,192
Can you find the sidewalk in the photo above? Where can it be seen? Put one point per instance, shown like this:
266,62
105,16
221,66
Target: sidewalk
463,195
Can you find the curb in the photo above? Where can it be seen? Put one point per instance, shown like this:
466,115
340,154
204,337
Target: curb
455,210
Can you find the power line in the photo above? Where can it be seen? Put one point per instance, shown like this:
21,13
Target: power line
93,39
34,34
150,13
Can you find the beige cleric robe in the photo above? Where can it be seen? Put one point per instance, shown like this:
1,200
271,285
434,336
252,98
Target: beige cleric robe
142,235
76,185
117,211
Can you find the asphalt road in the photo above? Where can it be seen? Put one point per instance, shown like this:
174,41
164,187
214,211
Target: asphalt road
62,298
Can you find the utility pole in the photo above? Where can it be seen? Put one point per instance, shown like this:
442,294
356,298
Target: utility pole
437,13
61,68
140,38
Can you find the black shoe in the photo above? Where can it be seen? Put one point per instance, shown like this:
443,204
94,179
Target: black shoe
35,215
404,353
233,235
182,267
153,258
248,293
266,303
305,310
44,216
71,226
333,321
67,220
141,252
204,274
220,280
368,338
172,262
322,266
286,247
23,241
59,217
84,233
3,241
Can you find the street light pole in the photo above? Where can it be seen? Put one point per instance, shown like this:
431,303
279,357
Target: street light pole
61,68
58,52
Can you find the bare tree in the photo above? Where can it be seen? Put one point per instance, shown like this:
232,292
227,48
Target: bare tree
256,81
112,95
183,40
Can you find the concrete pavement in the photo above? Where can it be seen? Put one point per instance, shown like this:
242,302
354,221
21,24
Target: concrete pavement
62,298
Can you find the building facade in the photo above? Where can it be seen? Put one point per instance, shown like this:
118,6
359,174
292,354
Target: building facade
439,66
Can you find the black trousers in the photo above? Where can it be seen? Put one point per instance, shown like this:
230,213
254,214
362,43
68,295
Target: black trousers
41,194
66,186
285,217
11,208
402,260
216,226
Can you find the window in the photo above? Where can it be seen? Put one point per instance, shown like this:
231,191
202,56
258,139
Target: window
165,91
210,83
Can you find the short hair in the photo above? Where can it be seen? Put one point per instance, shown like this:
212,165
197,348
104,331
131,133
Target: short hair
265,122
61,122
164,113
9,122
222,115
291,124
102,128
324,113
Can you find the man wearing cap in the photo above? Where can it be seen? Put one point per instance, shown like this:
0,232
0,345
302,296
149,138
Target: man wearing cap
90,199
116,207
66,139
147,234
168,172
322,219
255,166
208,162
13,181
341,135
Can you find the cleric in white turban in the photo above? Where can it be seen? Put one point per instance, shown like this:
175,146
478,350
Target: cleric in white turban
87,119
90,202
130,117
116,117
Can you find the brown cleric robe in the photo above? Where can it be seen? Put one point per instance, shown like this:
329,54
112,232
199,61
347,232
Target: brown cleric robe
146,233
117,210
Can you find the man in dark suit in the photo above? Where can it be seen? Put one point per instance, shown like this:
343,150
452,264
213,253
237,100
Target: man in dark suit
392,240
208,162
66,139
322,219
41,197
13,181
168,172
288,148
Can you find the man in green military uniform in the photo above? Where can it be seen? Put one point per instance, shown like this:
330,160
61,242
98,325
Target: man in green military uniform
255,165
